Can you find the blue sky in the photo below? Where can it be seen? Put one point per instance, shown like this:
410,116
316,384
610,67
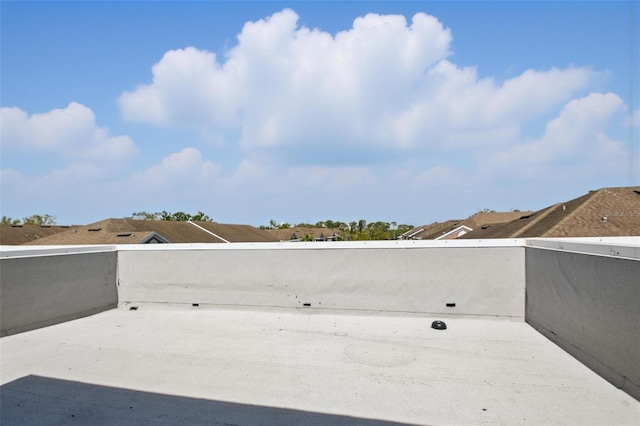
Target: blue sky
410,112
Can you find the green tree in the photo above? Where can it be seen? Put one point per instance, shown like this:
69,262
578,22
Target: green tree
165,215
37,219
343,227
381,226
6,220
201,217
375,231
171,217
353,227
180,217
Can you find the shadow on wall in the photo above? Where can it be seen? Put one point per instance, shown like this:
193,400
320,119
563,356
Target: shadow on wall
35,400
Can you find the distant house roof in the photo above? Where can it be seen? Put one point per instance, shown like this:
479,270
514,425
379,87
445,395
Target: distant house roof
606,212
238,233
131,231
431,231
455,228
82,236
21,234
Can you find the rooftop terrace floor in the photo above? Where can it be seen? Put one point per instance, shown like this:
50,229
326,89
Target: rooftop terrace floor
199,365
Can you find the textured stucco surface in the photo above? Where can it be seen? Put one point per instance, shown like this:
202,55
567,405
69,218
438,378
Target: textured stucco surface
37,291
485,281
590,306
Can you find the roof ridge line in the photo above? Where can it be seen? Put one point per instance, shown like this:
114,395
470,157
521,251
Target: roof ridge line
533,222
207,231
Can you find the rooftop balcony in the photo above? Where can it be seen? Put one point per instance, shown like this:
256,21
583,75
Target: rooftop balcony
538,331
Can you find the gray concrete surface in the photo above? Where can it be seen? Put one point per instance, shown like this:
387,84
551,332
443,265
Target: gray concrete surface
179,365
590,306
42,289
385,277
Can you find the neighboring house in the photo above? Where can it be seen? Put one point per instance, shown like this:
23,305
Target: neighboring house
455,233
131,231
82,236
431,231
606,212
452,229
13,235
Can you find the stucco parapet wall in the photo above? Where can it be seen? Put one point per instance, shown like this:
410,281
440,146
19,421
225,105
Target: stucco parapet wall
458,278
49,286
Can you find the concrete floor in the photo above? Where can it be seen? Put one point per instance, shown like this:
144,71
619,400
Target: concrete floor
197,365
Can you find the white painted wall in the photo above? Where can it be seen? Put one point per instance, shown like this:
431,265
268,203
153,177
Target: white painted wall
479,280
590,306
40,288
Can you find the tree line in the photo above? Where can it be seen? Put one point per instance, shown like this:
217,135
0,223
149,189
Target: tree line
34,219
47,219
171,217
354,230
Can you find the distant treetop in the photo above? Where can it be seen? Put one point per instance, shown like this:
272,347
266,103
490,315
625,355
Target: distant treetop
360,230
172,217
35,219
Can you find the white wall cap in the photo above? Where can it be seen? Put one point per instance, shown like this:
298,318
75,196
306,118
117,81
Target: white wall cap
331,245
623,247
32,251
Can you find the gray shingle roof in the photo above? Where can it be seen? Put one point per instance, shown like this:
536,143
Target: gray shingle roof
606,212
131,231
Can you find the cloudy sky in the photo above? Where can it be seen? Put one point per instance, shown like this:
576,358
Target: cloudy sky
304,111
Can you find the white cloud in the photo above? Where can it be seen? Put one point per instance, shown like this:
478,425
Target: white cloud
438,175
573,143
55,179
634,119
385,84
70,132
337,179
189,89
76,190
93,191
375,120
183,169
